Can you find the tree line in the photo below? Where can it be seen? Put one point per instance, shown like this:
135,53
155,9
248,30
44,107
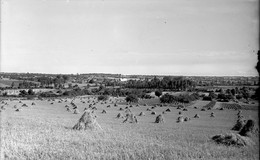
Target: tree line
167,83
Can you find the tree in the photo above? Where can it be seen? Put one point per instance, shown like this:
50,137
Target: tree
213,95
30,92
167,98
233,91
158,93
23,92
65,77
132,98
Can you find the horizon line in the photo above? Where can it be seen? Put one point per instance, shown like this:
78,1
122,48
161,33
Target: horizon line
132,74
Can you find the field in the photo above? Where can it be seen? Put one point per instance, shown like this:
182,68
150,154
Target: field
44,131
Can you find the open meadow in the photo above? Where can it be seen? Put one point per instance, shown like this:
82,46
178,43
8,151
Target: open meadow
43,130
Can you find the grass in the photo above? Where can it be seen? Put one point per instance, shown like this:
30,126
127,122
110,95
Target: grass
44,132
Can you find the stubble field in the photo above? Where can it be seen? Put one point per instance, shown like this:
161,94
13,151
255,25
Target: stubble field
44,131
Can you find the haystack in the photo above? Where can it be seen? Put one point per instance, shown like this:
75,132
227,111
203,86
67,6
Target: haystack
119,115
240,116
239,124
108,106
68,109
221,109
24,105
33,104
131,118
186,119
180,106
141,114
168,110
115,105
203,109
148,109
17,110
128,111
87,122
195,107
76,111
232,139
159,119
104,111
67,106
51,102
185,109
180,119
249,129
120,109
212,114
180,113
153,113
196,116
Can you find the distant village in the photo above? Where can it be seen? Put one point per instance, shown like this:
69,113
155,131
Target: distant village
13,83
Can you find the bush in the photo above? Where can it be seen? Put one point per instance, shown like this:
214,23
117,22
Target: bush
167,98
158,93
213,95
30,92
103,97
132,98
207,98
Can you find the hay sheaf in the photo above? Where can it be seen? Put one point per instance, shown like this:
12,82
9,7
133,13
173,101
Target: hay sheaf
239,124
142,114
119,115
87,122
249,129
186,119
159,119
232,139
196,116
130,118
180,119
76,111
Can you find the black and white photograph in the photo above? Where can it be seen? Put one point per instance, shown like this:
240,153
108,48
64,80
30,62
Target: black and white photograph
129,80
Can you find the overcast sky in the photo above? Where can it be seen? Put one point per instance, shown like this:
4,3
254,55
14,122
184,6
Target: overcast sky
165,37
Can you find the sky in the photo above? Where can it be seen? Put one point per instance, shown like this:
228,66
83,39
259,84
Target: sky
148,37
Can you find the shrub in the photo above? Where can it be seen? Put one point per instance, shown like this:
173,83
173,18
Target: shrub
131,98
167,98
207,98
158,93
30,92
103,97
